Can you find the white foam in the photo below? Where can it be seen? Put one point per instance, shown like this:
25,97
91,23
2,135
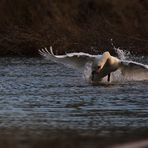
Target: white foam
87,71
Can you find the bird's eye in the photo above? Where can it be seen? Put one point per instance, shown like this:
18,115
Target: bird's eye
99,67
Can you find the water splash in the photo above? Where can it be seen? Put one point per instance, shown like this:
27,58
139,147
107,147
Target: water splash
122,54
87,72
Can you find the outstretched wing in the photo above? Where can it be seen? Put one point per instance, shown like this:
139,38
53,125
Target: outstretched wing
74,60
130,68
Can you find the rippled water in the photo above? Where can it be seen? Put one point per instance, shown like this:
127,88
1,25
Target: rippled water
38,94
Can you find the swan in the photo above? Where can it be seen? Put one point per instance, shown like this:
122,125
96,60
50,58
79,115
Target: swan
101,65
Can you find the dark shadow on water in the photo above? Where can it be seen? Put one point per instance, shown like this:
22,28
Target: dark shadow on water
104,84
67,138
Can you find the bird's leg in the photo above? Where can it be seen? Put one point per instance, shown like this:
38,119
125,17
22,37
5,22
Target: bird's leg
108,78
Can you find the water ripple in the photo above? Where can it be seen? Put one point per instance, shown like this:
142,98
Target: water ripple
37,93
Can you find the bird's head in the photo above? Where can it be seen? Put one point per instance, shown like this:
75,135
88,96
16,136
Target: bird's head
96,69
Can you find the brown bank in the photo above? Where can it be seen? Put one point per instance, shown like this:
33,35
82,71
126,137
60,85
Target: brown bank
86,25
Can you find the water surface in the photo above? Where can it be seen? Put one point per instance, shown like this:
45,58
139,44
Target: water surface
39,95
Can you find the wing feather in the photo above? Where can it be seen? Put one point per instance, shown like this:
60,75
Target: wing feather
73,60
130,68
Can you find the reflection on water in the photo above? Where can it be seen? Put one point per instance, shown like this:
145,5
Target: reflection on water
38,95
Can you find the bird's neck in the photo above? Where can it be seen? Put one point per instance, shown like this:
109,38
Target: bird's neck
106,56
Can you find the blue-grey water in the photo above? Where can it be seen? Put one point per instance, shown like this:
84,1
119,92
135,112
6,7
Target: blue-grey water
36,94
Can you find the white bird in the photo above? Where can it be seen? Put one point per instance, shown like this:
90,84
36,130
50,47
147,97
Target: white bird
101,65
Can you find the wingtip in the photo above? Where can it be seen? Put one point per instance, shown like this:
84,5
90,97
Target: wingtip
45,51
51,50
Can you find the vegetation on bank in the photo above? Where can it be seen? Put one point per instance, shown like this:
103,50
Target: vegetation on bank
68,25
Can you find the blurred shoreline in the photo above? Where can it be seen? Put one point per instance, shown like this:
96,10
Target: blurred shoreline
67,138
70,26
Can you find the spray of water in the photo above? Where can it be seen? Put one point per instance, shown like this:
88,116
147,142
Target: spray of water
87,74
123,55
